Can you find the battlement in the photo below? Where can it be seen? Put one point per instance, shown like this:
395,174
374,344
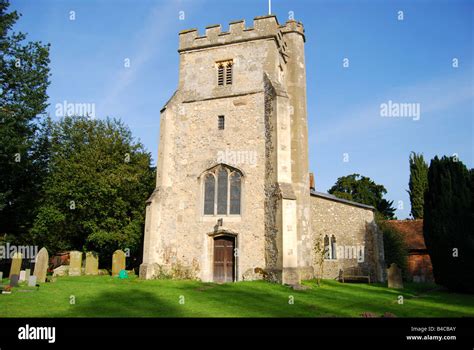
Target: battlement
263,27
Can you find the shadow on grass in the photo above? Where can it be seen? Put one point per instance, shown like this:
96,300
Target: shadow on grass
108,297
252,300
132,303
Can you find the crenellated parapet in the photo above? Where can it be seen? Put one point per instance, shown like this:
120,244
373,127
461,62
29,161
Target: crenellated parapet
264,27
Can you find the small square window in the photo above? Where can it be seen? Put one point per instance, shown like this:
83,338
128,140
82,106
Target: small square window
221,122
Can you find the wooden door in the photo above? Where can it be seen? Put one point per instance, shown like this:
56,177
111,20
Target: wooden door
224,259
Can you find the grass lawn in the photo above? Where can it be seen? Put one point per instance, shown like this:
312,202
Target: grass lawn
105,296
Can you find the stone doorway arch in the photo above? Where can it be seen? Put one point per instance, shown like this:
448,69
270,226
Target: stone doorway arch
224,256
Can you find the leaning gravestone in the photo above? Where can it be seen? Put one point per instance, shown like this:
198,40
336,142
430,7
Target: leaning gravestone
32,281
22,275
92,264
16,264
41,265
394,274
118,262
14,280
75,263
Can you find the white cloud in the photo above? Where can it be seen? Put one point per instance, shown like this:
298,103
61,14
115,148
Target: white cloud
434,96
161,22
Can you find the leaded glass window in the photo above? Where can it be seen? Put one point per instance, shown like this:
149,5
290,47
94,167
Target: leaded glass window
222,191
234,193
209,194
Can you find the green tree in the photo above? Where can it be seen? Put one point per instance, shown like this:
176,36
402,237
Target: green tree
417,184
99,180
363,190
395,247
448,225
24,78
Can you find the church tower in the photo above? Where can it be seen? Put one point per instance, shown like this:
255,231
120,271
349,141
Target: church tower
232,197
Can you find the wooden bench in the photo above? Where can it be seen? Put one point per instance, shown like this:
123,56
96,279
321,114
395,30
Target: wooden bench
353,274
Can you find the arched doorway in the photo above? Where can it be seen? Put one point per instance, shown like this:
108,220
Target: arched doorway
224,259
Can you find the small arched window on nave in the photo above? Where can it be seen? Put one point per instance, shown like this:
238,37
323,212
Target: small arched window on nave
333,248
327,250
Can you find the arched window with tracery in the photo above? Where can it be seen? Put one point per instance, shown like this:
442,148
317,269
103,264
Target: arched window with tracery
222,191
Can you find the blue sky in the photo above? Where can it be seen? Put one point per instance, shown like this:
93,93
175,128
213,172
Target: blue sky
404,61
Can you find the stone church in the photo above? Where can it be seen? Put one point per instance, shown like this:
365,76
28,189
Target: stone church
233,198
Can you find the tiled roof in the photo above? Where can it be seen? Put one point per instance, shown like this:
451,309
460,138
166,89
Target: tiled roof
337,199
412,230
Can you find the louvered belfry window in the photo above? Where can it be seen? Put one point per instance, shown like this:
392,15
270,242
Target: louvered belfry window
225,72
228,73
220,74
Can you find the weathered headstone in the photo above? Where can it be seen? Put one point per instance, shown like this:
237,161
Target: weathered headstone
394,274
75,263
104,272
14,280
61,270
22,275
92,264
41,265
118,262
32,281
27,275
16,264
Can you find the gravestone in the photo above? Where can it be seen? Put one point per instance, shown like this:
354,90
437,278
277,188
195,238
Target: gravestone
41,265
14,280
394,274
62,270
16,264
27,275
22,275
118,262
92,264
32,281
1,276
75,263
